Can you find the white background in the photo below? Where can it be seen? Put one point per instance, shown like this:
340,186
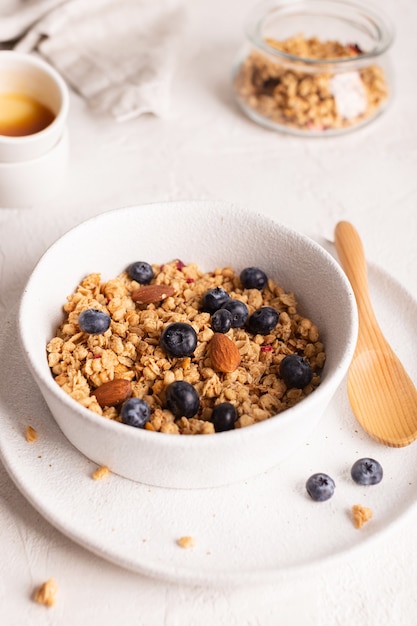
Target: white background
207,149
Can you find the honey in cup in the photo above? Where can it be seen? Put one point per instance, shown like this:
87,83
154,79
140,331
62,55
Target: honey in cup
22,115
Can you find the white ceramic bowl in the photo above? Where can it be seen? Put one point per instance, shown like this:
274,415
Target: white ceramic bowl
211,235
43,176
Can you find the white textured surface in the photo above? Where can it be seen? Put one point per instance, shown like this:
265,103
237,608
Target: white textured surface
208,150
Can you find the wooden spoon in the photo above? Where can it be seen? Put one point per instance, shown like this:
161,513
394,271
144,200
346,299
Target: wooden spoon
382,395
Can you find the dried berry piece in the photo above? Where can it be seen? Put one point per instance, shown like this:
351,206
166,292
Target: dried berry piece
320,487
296,371
135,412
253,278
140,271
179,339
182,399
239,312
221,321
263,320
93,321
223,417
367,471
214,299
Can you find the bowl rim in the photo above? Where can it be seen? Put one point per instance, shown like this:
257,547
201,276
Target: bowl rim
40,372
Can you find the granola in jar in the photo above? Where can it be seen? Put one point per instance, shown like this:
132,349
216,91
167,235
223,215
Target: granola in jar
314,67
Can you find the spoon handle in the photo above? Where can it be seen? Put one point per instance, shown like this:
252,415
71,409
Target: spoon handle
382,395
352,258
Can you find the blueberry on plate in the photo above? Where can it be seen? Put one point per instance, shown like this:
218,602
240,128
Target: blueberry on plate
320,487
239,312
213,299
223,417
135,412
93,321
253,278
296,371
367,472
263,320
182,399
140,271
179,339
221,321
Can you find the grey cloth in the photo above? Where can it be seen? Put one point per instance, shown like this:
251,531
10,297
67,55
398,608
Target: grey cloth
120,55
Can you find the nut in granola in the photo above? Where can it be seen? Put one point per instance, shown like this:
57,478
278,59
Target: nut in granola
224,353
152,293
113,392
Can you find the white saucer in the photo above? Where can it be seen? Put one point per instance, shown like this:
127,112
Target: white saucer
27,183
262,530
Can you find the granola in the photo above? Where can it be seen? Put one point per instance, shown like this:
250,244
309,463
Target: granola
45,593
30,434
101,472
186,542
361,515
305,99
130,349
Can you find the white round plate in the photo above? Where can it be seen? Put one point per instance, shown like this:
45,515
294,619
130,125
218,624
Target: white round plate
253,532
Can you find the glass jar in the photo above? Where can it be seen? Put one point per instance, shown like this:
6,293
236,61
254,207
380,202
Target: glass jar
314,67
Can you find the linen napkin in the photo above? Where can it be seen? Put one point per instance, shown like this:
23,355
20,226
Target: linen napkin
120,55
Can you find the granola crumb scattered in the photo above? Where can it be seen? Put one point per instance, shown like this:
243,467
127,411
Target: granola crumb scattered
45,594
31,434
186,542
101,472
361,515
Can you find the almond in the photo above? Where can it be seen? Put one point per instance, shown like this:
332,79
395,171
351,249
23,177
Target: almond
114,392
152,293
224,353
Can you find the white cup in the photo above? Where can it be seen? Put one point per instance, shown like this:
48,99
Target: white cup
31,165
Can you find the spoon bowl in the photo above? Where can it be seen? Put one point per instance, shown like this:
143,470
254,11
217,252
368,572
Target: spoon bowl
382,395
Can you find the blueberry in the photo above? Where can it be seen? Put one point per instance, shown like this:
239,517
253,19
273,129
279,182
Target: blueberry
263,320
367,472
320,487
221,321
182,399
214,299
223,417
93,321
140,271
179,339
135,412
253,278
296,371
239,312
